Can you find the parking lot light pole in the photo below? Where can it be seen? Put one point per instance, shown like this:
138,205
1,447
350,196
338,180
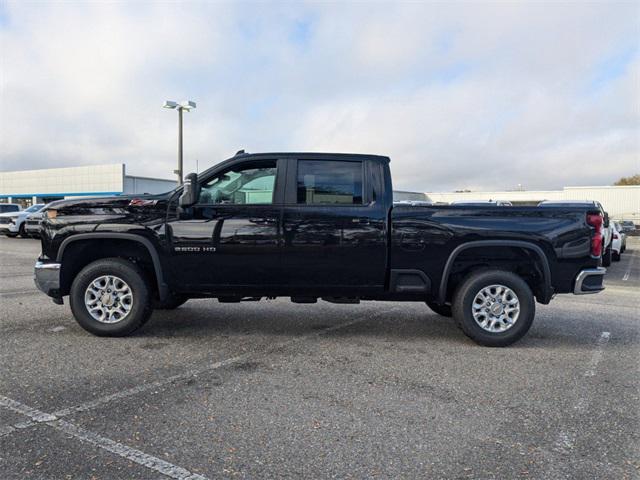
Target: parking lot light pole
187,105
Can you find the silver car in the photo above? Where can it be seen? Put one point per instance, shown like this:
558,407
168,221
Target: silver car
12,223
32,224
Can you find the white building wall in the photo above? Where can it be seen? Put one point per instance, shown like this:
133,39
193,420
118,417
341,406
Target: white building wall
622,202
90,179
399,195
147,185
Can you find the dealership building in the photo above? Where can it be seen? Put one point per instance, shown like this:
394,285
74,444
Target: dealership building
43,186
46,185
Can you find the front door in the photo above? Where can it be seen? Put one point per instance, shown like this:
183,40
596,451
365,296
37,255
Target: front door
230,239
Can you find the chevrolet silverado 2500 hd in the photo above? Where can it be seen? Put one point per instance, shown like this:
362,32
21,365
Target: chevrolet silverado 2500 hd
309,226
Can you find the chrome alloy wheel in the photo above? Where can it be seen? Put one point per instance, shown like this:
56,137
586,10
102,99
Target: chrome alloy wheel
496,308
108,299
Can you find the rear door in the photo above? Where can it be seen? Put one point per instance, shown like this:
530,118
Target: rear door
333,228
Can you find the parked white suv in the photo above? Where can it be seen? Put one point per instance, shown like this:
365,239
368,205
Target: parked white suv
12,223
618,241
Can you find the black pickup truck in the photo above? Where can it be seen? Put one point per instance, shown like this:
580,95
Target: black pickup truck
309,226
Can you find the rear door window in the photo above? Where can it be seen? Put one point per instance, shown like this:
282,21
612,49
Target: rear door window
329,182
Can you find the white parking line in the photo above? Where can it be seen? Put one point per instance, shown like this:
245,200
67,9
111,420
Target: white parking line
124,451
625,277
53,420
34,414
18,292
98,402
141,458
565,440
597,354
199,371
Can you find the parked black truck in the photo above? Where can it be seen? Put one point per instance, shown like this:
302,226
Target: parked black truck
309,226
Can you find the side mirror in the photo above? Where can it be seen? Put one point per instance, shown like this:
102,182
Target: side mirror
190,191
606,219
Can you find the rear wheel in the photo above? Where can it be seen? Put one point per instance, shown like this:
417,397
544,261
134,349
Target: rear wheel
616,257
494,308
110,297
606,258
440,309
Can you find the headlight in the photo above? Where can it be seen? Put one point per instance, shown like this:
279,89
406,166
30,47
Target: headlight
51,214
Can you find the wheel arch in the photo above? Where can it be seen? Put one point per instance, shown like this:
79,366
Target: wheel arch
145,243
546,290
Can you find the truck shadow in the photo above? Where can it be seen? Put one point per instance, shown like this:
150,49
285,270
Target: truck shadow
371,322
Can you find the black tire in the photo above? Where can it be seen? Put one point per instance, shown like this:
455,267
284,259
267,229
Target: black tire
441,309
464,298
172,302
22,232
136,280
616,257
11,235
606,258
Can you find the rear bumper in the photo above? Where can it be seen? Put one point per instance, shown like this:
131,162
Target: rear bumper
590,280
47,278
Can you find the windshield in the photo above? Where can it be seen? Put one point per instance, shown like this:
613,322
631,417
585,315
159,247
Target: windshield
34,208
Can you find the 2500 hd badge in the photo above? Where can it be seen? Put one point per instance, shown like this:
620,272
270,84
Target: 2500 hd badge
194,249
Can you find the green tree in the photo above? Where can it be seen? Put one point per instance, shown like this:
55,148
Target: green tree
632,180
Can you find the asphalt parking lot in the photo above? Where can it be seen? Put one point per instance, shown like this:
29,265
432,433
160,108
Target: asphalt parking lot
281,390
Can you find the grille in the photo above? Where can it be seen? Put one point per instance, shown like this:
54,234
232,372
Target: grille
5,220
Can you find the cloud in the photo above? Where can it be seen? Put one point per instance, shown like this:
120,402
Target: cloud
459,95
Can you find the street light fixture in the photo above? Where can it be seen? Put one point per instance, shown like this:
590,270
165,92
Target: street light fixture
187,105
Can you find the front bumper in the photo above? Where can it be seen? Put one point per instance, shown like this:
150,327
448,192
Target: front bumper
8,228
590,280
32,229
47,278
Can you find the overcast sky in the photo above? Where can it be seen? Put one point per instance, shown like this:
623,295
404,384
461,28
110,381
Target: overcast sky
459,95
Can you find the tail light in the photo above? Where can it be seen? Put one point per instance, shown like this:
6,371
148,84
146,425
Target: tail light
595,220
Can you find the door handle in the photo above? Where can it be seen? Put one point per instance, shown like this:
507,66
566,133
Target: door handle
360,221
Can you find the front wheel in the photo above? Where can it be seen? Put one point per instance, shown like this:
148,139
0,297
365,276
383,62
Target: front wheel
110,297
616,256
494,308
606,258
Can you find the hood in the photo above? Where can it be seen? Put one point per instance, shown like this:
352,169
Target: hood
109,205
12,214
